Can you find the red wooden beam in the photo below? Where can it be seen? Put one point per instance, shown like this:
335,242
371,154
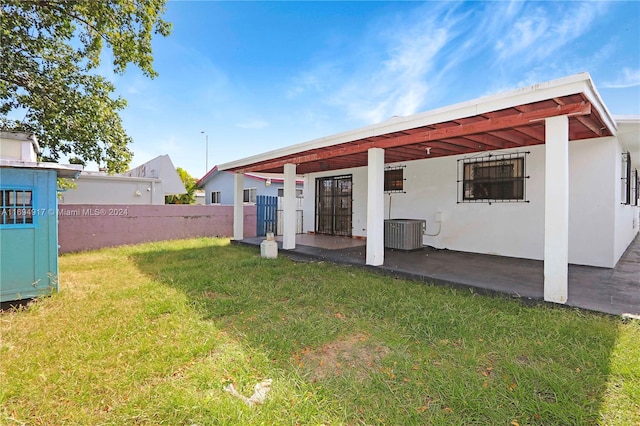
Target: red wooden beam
512,121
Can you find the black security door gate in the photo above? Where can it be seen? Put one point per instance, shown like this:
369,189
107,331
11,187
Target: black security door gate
333,205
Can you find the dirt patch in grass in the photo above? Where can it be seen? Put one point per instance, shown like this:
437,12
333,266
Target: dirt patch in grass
213,295
355,355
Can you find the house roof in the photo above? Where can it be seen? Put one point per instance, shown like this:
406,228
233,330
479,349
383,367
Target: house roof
507,120
161,168
272,177
91,175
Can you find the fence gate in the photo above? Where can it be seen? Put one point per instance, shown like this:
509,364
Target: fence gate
267,214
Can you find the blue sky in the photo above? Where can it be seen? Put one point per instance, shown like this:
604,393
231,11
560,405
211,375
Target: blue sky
257,76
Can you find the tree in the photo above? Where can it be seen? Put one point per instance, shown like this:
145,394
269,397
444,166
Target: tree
49,55
189,184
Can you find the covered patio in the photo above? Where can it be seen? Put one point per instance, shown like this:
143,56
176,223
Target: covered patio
550,115
613,291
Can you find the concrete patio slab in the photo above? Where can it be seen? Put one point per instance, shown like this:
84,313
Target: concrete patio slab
614,291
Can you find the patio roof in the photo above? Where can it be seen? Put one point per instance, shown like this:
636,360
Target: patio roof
508,120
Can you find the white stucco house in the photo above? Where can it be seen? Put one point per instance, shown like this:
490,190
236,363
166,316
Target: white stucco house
543,172
148,183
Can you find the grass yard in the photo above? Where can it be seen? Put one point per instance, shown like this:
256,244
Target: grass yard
151,334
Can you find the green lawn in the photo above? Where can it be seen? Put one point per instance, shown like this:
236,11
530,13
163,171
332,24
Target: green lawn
151,334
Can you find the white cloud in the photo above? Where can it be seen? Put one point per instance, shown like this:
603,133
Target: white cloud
539,32
524,33
628,78
399,81
316,80
169,144
253,124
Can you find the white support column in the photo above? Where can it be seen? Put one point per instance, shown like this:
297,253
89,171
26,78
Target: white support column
375,208
556,210
238,206
289,208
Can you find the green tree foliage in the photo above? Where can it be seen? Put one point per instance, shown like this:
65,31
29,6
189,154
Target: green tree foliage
65,184
189,184
49,57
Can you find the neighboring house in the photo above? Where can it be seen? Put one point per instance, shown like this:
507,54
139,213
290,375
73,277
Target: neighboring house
161,168
219,189
28,218
218,186
145,184
543,172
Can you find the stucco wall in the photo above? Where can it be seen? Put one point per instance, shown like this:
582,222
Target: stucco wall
599,227
359,205
508,229
626,216
104,189
592,201
92,226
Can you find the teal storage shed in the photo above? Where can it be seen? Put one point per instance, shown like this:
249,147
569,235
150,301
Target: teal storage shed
29,226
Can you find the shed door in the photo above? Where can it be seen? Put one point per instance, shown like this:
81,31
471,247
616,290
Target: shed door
334,205
28,233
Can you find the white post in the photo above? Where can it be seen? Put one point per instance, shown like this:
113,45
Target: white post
375,207
289,208
238,206
556,210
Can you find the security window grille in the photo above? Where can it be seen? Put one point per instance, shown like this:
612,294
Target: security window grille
215,197
635,190
16,206
249,195
493,178
394,179
626,178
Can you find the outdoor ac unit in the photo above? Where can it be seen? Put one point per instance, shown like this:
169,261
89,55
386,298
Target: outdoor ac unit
404,234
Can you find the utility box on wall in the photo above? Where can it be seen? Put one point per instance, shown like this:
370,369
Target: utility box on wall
404,234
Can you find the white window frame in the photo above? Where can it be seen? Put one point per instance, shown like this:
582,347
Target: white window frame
218,197
249,195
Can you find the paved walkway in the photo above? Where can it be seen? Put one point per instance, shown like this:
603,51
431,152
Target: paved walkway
614,291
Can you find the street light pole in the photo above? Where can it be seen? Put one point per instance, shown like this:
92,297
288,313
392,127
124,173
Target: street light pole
206,136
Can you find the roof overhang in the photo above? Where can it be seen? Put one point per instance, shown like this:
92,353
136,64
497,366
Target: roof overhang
512,119
69,171
629,135
207,176
271,177
99,176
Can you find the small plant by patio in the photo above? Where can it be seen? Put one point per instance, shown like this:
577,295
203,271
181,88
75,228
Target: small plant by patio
157,341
